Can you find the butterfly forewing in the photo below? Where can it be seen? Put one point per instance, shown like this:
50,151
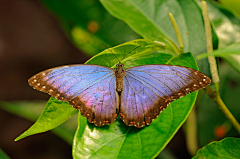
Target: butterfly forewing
149,89
89,88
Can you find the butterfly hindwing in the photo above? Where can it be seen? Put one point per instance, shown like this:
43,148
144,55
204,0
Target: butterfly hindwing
89,88
149,89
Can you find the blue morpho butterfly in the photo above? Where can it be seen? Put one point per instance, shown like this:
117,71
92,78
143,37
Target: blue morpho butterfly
139,94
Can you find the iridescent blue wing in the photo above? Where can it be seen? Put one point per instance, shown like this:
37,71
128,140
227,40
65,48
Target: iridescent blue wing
89,88
149,89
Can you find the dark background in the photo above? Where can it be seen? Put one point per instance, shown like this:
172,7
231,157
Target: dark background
30,41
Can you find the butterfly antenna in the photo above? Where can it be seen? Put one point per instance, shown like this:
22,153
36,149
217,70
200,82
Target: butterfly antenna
131,51
111,51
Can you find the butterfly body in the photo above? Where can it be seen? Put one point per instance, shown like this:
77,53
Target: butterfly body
119,73
139,94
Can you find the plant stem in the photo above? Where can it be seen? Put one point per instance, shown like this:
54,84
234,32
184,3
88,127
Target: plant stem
226,111
178,34
214,71
211,59
191,132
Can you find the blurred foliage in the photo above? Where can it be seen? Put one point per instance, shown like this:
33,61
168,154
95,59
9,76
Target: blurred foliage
233,5
3,155
87,24
210,117
166,154
31,110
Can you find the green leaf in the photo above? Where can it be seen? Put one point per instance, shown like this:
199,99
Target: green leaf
54,114
110,57
31,110
150,20
231,49
120,141
227,53
3,155
226,148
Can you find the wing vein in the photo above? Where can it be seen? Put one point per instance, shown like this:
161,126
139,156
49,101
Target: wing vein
136,78
143,90
88,85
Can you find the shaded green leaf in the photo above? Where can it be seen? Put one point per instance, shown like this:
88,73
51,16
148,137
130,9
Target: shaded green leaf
54,114
166,154
120,141
226,148
233,60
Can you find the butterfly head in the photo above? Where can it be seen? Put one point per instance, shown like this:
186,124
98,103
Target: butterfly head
119,69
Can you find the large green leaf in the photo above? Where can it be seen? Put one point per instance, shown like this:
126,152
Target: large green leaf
54,114
120,141
228,148
150,20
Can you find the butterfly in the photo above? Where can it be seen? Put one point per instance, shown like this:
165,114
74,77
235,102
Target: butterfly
139,94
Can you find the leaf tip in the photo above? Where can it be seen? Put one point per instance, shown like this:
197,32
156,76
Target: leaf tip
18,138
